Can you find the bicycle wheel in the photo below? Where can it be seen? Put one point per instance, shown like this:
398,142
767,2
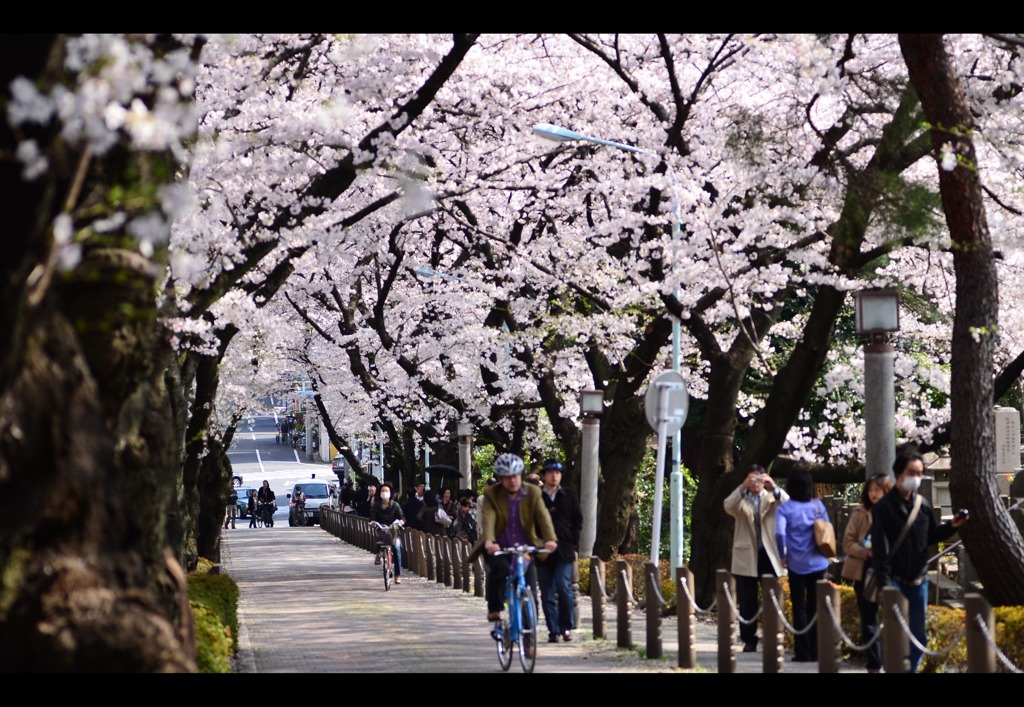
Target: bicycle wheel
527,631
502,636
389,572
259,519
300,517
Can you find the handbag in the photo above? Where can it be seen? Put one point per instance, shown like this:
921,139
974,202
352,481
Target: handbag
441,517
870,590
825,535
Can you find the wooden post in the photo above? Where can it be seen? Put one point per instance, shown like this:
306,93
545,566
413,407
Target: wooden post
429,548
981,656
464,547
479,577
576,590
687,620
444,561
828,633
623,583
456,563
895,642
727,621
597,595
771,625
652,595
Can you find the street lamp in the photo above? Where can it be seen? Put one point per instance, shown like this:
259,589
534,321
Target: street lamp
465,432
560,134
877,313
591,407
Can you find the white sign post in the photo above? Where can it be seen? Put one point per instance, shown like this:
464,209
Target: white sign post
665,406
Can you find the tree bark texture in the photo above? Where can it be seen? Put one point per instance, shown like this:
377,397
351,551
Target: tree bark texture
972,434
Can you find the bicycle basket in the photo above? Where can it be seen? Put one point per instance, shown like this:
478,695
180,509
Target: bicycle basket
383,535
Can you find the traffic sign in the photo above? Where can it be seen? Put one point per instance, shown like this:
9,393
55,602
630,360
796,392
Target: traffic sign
678,402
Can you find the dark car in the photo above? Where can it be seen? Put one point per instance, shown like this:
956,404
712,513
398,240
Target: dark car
243,500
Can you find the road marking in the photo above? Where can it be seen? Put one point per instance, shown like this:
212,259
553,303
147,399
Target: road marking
258,457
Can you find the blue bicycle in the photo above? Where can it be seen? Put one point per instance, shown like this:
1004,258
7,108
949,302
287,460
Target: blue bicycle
521,626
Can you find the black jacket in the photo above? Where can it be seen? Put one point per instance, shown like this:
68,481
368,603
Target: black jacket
385,516
910,563
567,517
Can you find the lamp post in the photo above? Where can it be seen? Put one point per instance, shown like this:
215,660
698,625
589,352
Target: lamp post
676,500
878,312
591,407
465,431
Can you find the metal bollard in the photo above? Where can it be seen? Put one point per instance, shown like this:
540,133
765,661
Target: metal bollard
726,621
623,582
828,635
981,657
687,619
895,642
597,595
771,624
652,595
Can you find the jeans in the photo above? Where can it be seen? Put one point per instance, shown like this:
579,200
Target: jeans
803,596
556,595
917,600
868,626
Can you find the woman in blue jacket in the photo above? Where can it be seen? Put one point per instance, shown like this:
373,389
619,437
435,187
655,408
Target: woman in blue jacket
794,537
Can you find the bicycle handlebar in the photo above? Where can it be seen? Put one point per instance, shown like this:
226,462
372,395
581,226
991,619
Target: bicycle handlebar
521,550
381,526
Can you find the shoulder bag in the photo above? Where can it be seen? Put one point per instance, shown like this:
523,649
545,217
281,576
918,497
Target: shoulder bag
825,534
870,590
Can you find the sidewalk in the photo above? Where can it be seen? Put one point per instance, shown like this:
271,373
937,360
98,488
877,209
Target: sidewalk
311,603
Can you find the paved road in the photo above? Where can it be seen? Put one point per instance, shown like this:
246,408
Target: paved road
311,603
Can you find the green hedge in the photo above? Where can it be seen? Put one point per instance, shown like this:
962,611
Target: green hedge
214,602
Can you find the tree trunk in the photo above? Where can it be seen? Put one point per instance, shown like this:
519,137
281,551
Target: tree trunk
991,537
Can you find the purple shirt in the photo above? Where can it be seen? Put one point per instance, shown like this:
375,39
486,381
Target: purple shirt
513,534
794,535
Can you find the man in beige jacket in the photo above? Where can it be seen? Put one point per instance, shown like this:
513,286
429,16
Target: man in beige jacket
753,504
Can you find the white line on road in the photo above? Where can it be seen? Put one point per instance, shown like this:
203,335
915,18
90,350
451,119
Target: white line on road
258,458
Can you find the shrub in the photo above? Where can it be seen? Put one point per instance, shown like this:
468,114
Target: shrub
946,625
214,602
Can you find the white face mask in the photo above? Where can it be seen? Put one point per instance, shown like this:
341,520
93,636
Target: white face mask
911,483
385,496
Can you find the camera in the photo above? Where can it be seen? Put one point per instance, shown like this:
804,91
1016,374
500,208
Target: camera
963,513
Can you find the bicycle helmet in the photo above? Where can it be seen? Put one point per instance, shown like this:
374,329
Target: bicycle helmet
553,465
508,465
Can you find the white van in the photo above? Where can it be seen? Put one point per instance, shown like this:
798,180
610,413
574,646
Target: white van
318,491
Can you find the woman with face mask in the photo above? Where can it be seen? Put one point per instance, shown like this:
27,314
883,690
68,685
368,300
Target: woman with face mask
904,565
385,510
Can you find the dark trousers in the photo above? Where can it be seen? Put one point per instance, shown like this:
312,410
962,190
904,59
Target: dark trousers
497,571
555,578
868,627
803,597
747,594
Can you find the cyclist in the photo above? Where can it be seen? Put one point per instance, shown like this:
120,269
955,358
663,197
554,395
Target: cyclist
298,502
265,496
385,510
512,514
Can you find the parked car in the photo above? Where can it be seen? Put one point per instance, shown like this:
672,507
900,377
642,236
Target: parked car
243,500
317,492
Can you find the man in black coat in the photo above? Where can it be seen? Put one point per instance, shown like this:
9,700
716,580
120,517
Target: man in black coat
554,575
411,508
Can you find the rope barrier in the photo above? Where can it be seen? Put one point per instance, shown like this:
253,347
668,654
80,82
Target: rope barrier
689,597
924,649
843,635
992,643
735,609
658,596
625,583
782,616
600,585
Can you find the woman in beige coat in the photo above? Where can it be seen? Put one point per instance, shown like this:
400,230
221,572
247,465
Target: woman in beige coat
857,549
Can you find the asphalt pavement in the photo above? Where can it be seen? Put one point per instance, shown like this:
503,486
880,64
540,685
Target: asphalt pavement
311,603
